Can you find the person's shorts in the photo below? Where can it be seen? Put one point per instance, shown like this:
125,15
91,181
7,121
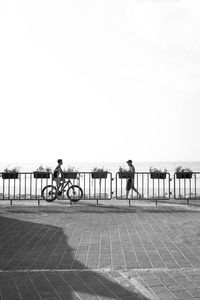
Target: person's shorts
130,184
58,180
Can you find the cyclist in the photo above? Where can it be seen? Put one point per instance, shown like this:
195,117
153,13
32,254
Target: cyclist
58,171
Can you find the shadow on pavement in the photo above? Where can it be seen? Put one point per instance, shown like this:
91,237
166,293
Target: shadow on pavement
89,208
37,262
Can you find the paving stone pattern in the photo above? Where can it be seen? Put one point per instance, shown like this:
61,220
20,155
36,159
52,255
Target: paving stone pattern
106,252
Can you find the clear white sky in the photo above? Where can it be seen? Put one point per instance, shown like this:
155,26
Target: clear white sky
99,80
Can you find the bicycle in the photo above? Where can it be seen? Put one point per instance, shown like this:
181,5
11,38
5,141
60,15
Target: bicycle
51,192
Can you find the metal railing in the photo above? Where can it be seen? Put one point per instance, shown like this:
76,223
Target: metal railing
187,186
95,187
149,186
28,186
22,186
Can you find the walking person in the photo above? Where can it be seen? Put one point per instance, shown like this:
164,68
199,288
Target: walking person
130,181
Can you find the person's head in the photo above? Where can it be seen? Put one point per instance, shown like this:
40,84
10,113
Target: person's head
59,161
129,162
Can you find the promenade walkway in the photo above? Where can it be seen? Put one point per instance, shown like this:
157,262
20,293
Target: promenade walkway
57,251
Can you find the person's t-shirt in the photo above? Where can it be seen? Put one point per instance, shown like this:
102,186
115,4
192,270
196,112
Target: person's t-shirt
132,170
57,171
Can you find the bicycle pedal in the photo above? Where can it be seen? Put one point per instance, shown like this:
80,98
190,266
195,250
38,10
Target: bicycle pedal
59,193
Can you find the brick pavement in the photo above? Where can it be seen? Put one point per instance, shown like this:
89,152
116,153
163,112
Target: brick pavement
106,252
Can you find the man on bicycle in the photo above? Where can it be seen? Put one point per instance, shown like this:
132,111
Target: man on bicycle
58,171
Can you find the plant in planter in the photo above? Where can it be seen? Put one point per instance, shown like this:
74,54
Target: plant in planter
10,173
182,173
99,173
157,173
123,173
70,173
42,172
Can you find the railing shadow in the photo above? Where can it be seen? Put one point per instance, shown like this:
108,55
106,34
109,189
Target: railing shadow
107,209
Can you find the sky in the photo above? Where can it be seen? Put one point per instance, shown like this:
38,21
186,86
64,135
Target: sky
99,80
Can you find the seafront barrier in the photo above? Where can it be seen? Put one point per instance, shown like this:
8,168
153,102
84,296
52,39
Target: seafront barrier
103,186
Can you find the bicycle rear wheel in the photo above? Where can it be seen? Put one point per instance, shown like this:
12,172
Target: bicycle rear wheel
49,193
74,193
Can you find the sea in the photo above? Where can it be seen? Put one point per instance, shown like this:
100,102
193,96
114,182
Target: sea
112,167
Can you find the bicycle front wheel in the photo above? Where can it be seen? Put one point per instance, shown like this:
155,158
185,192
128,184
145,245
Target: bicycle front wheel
49,193
74,193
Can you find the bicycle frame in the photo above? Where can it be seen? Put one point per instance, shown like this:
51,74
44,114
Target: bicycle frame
63,185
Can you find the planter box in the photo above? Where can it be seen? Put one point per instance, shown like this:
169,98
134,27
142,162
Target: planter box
99,175
10,175
125,175
41,175
182,175
158,175
69,175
